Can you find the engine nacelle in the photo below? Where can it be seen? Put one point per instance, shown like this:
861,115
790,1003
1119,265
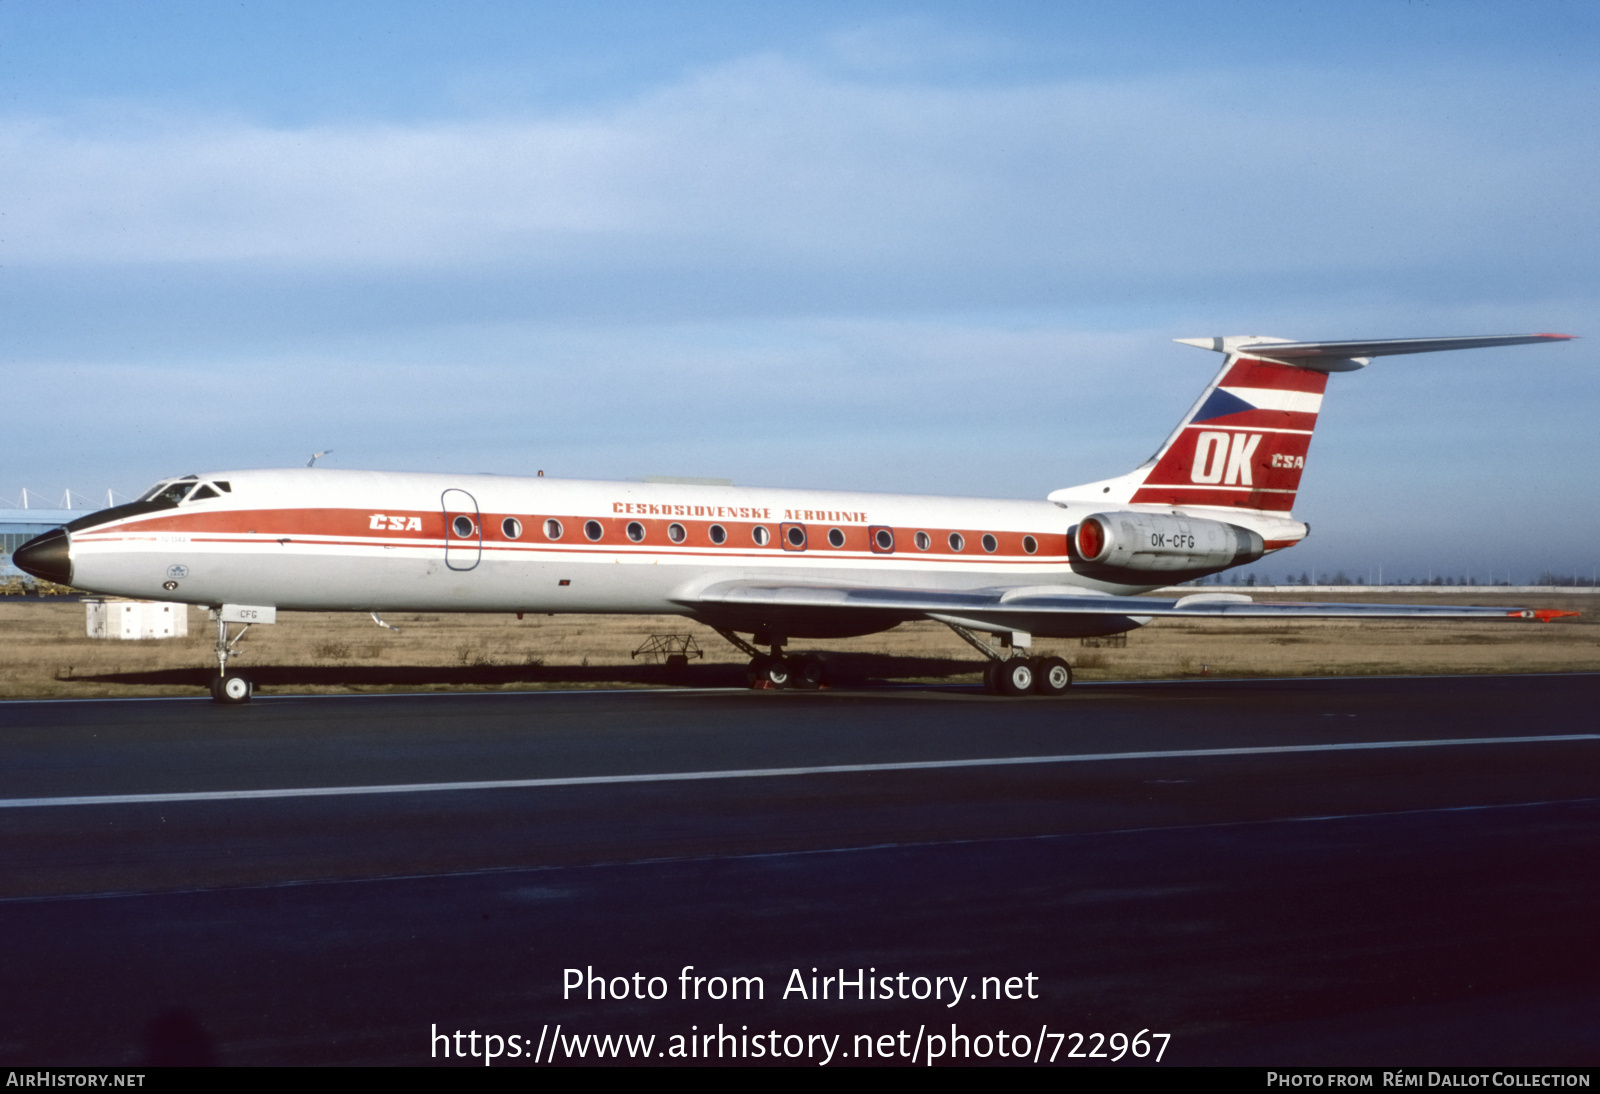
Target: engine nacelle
1162,543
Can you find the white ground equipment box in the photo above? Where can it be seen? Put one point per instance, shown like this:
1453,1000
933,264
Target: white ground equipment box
113,618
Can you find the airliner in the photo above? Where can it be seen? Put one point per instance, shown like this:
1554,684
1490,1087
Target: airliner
772,564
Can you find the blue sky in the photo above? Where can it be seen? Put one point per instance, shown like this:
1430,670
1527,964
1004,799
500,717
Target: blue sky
931,248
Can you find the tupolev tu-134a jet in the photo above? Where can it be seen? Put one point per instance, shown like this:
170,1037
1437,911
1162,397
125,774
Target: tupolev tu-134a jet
772,564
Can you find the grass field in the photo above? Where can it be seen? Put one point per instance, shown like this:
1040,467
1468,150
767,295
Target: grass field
45,653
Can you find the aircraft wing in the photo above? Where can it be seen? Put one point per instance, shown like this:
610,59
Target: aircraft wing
1042,609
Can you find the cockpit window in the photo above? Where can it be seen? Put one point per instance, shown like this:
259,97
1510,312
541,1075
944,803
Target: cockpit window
226,488
202,492
170,491
174,493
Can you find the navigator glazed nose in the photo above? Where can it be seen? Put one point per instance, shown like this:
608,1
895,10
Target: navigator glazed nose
47,557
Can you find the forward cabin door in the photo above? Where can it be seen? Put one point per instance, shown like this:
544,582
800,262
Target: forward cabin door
463,530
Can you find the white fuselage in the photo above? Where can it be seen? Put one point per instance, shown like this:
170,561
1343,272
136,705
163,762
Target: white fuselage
323,539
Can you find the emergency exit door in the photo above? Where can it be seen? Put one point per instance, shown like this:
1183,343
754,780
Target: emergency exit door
463,530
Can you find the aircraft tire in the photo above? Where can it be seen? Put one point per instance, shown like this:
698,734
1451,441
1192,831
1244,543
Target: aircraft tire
232,689
808,672
1052,676
775,673
779,673
1015,677
991,678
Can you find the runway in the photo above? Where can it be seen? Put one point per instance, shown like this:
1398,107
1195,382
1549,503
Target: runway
1363,871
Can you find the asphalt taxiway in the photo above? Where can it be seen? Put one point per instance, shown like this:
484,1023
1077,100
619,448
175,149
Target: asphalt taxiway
1364,871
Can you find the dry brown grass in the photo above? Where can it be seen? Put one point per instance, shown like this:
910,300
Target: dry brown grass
44,651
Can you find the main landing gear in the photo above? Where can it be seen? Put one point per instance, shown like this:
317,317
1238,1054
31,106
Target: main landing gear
1006,673
1011,675
778,670
781,671
1014,676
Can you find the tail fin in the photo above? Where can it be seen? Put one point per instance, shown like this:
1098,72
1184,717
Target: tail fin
1243,444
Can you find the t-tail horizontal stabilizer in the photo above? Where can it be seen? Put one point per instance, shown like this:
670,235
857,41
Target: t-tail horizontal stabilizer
1349,356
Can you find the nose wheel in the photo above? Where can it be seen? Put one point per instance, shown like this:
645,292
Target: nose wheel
232,688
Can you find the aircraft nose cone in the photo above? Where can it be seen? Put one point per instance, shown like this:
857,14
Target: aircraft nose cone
46,557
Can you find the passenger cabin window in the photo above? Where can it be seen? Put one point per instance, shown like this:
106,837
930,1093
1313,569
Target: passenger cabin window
635,531
1029,544
719,534
760,534
591,529
835,537
989,542
512,527
923,541
552,529
463,527
956,541
676,533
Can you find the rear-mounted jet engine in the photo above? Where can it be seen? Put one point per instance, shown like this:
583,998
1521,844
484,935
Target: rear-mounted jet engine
1159,543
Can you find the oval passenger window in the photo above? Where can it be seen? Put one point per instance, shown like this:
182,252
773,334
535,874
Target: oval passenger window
989,542
835,538
635,531
676,533
591,528
719,534
552,529
512,527
463,527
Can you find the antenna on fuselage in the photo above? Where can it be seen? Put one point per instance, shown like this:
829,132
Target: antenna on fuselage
315,456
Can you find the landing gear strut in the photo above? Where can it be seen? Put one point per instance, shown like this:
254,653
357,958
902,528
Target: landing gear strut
229,687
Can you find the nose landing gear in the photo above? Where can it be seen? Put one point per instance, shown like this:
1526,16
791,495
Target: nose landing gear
227,687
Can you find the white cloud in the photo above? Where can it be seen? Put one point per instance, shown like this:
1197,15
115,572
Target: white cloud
769,163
